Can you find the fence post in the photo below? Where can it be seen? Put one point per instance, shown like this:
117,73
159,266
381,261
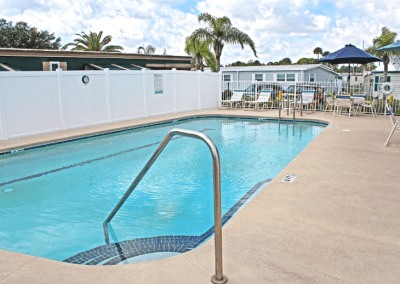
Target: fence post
220,86
174,72
199,74
144,91
3,118
61,99
109,118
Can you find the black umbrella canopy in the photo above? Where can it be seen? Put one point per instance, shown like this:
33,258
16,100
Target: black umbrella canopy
391,47
349,54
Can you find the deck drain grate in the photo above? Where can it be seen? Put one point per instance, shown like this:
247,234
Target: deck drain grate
289,177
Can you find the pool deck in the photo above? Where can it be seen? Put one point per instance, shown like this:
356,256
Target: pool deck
337,222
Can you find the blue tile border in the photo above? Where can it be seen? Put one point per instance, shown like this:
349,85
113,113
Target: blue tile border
115,253
168,122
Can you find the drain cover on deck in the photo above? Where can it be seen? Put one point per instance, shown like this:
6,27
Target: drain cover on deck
289,177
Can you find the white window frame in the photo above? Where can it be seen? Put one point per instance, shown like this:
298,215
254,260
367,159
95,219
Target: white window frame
277,77
309,77
294,79
226,76
262,77
54,62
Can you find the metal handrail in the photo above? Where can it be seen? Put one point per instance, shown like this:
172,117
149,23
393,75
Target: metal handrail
218,277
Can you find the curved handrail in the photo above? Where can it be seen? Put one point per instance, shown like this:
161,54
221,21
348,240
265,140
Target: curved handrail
218,277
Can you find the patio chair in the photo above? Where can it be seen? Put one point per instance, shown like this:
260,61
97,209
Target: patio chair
371,105
308,99
295,103
236,100
342,102
395,122
329,102
263,99
358,101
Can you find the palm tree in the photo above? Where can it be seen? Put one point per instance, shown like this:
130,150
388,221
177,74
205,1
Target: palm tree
150,49
221,32
387,37
318,51
200,51
93,42
326,53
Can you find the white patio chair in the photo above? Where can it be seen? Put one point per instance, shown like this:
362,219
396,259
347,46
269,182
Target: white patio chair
236,100
358,101
342,102
395,122
308,99
371,105
263,99
329,101
295,104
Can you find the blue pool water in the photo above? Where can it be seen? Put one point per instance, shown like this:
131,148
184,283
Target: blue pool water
54,199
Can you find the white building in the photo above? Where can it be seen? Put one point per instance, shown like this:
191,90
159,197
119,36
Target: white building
280,73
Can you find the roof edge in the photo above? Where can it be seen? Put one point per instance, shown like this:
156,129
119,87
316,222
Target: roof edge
22,52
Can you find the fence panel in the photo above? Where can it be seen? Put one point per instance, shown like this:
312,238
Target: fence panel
209,83
31,103
126,96
159,103
85,104
188,84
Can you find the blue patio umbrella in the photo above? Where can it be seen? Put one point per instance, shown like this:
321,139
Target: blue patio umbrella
391,47
349,54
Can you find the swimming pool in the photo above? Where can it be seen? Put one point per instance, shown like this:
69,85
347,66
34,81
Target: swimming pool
54,199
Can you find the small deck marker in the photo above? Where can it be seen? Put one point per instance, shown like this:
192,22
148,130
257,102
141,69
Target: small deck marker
289,177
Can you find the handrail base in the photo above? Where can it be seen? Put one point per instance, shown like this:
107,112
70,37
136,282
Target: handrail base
106,235
223,281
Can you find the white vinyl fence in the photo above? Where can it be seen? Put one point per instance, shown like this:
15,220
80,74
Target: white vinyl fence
369,91
33,103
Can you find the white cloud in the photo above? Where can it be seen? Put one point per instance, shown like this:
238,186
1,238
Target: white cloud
279,28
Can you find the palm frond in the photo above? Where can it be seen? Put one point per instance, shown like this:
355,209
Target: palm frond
65,46
106,40
150,49
207,19
113,48
235,36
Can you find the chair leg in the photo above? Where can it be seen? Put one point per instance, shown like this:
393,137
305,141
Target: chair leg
390,135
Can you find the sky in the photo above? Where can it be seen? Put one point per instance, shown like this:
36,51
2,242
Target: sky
279,28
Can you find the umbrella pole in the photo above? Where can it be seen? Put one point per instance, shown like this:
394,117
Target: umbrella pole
348,81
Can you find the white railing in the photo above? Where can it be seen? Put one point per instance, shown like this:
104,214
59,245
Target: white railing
370,91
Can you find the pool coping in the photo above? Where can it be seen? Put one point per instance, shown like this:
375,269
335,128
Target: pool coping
305,231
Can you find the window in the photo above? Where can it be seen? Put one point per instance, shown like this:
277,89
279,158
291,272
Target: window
227,77
290,77
281,77
312,77
379,80
258,77
54,65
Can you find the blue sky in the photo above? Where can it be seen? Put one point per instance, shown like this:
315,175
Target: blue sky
279,28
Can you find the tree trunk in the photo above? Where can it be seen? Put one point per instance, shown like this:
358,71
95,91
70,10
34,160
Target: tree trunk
218,58
198,62
385,70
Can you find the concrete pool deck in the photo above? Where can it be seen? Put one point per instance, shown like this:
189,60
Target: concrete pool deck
337,222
